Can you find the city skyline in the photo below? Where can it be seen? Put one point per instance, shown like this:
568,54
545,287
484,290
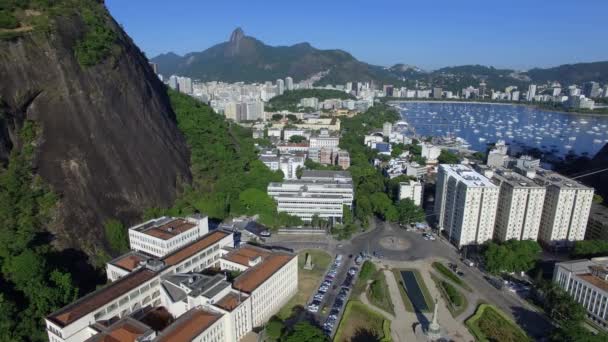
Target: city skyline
452,35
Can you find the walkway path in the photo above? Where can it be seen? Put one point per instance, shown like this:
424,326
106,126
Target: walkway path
401,326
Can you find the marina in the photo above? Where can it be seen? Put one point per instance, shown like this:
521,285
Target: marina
522,127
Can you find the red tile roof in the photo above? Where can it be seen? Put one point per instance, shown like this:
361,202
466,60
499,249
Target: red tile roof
101,297
194,247
257,275
170,229
230,301
188,326
245,254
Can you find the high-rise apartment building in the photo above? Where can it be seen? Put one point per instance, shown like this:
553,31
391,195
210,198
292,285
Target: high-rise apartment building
531,92
465,204
566,209
387,129
520,206
437,92
289,83
591,89
280,86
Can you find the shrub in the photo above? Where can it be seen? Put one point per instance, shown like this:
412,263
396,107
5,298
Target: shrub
8,20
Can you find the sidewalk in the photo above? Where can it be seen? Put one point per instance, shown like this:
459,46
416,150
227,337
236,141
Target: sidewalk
401,326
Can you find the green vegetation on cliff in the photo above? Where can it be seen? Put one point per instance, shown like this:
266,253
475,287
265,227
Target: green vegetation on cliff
19,17
30,285
290,99
228,178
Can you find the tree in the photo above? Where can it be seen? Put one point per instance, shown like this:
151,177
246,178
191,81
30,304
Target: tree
598,199
447,157
560,306
511,256
305,332
408,212
274,328
292,118
589,248
296,139
116,236
299,171
573,332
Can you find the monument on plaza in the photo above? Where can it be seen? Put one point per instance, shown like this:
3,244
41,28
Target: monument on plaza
434,330
308,263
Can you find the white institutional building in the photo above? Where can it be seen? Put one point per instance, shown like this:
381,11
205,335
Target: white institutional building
587,282
520,206
322,193
566,209
465,204
412,190
168,298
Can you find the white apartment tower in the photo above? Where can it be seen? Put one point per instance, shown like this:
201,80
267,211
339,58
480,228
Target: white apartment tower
465,204
280,86
387,129
288,83
412,190
520,206
531,92
566,209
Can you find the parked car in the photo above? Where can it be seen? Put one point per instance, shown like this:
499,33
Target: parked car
265,233
468,262
358,260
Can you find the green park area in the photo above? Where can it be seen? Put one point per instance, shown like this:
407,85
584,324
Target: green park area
446,272
308,280
360,323
377,291
456,301
490,324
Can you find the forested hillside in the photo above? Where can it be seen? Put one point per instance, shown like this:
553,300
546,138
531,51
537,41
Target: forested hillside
228,178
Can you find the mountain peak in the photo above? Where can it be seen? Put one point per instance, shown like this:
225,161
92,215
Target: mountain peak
236,35
234,44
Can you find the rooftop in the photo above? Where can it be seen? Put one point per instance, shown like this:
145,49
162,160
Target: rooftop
124,330
257,275
194,247
595,281
130,261
329,174
547,177
188,326
101,297
246,254
515,179
230,301
467,175
165,229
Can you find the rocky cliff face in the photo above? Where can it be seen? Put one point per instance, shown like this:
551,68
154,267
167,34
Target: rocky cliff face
109,145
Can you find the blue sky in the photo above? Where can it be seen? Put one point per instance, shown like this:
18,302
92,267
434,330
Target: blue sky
430,34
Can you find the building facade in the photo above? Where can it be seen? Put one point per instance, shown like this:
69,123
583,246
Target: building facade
321,193
194,306
520,206
566,209
586,281
465,204
412,190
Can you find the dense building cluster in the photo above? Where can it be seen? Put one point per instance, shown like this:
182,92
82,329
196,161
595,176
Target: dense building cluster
181,282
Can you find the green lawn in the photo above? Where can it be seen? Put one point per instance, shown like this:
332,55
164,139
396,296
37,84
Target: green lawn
360,323
404,297
457,302
443,270
378,293
490,324
308,280
368,270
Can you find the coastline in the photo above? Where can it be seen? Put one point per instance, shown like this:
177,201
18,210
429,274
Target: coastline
498,103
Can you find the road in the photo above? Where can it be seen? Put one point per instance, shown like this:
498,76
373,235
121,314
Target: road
397,245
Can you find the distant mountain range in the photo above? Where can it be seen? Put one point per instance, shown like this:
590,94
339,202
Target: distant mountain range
244,58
